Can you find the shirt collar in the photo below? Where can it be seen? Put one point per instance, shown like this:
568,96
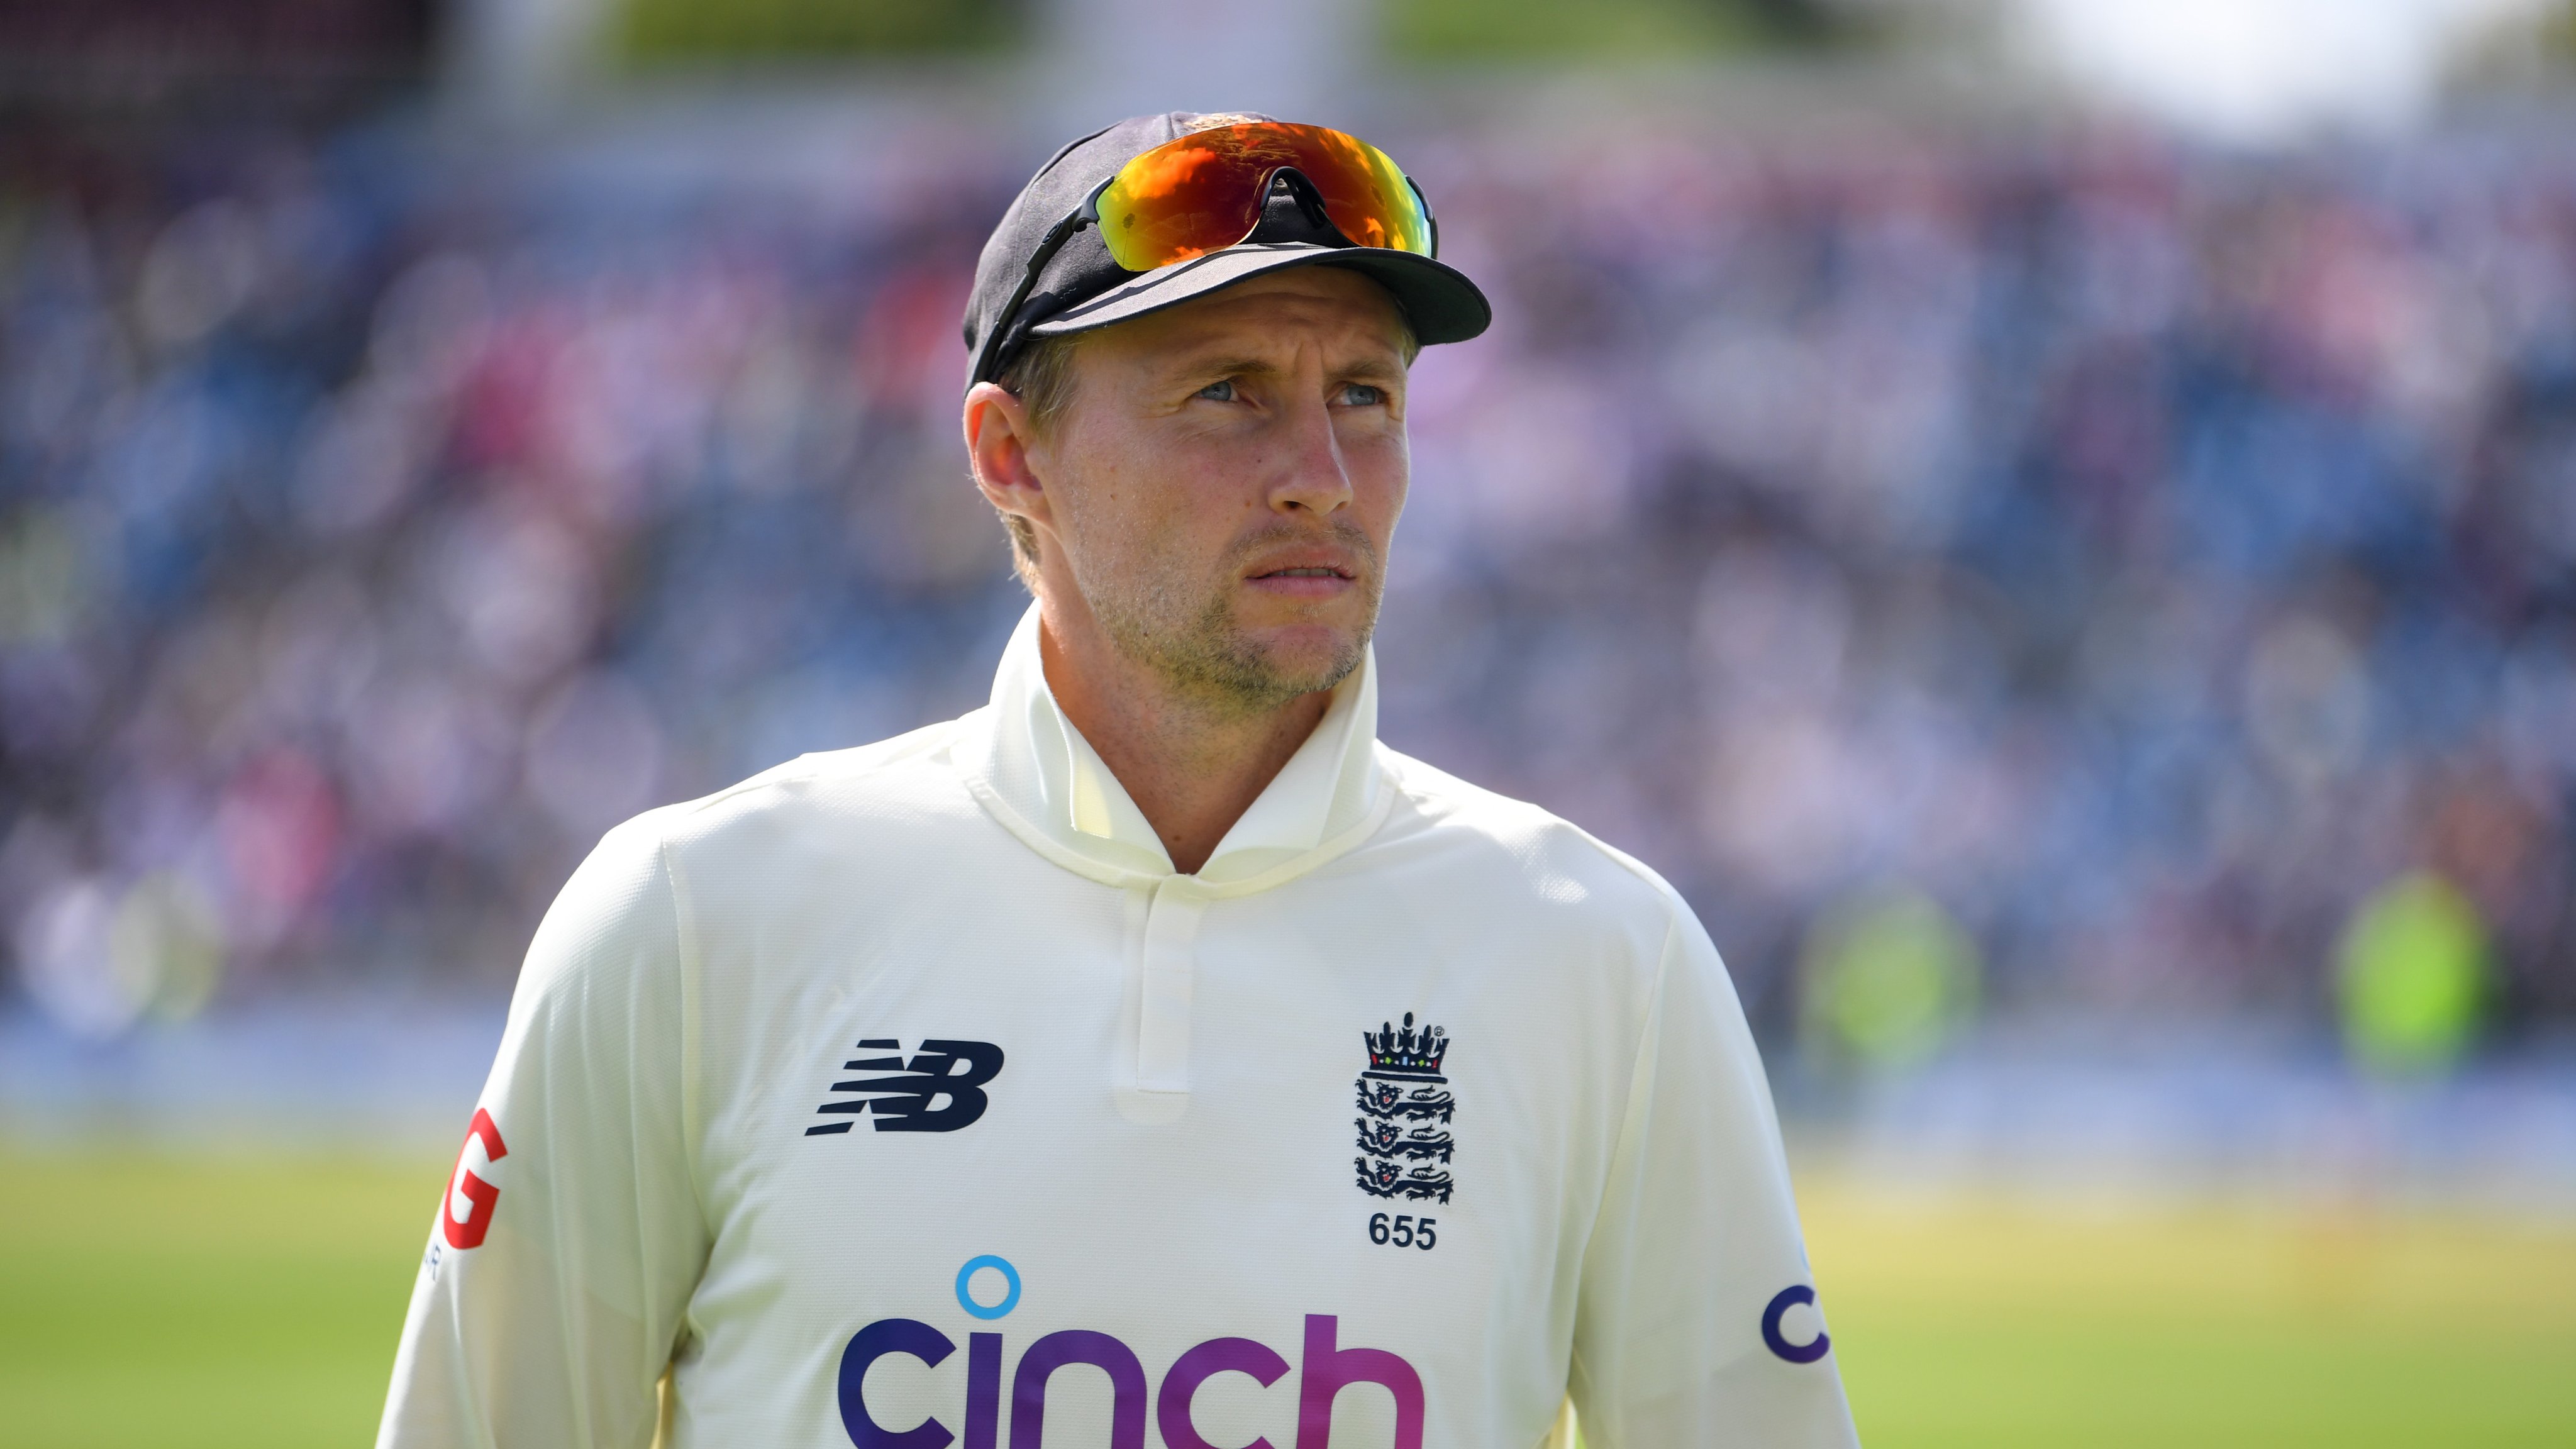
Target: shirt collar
1037,773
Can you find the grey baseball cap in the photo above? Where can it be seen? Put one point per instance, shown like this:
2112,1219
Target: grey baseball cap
1081,287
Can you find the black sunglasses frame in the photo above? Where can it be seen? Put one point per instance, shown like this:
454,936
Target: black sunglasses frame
988,356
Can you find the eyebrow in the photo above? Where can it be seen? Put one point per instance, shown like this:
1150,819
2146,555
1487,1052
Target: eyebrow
1366,370
1220,366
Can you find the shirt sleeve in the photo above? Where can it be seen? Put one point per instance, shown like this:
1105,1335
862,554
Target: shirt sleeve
1697,1321
564,1254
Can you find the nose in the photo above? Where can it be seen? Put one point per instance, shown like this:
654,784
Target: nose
1311,476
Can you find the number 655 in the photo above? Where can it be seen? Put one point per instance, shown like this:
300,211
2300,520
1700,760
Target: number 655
1407,1231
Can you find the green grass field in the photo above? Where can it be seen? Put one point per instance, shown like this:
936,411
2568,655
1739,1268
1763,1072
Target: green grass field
1988,1323
151,1300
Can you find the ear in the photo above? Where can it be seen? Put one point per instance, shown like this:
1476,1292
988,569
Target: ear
1003,456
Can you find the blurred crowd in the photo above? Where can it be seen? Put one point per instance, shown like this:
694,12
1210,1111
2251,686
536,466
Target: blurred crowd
2131,561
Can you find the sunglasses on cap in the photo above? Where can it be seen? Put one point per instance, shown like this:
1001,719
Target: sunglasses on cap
1205,191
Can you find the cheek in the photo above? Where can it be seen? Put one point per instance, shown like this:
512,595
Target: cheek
1381,474
1150,513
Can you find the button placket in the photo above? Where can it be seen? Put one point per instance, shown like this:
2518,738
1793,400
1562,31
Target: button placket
1169,981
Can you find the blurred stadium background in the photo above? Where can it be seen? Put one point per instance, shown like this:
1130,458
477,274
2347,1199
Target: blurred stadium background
2052,521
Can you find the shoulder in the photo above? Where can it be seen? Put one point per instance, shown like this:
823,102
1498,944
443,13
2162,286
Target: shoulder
837,812
895,779
1517,853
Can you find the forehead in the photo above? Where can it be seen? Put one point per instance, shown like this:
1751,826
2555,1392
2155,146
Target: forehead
1331,305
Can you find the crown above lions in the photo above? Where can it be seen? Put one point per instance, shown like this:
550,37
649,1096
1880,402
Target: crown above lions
1406,1052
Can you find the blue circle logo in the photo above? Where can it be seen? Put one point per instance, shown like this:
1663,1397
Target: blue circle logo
1010,1280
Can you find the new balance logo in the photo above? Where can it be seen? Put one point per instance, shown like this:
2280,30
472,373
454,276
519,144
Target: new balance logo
939,1090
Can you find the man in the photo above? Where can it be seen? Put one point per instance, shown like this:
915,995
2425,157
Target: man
1151,1047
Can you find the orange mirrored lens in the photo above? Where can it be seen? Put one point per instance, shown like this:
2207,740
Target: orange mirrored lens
1203,192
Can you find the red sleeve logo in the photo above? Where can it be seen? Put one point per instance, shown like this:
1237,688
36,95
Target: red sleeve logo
468,1231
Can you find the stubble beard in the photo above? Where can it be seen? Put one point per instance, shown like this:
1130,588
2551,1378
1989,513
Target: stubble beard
1191,639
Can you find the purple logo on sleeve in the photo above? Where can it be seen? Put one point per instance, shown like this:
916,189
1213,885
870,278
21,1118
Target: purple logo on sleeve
1787,1298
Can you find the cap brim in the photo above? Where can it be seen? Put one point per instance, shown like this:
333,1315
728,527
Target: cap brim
1438,300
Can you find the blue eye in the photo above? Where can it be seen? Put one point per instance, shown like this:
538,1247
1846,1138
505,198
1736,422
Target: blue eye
1221,391
1361,395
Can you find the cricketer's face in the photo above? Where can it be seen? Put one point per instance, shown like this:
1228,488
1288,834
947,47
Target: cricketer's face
1221,490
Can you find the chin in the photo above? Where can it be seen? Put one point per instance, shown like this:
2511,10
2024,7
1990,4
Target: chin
1306,658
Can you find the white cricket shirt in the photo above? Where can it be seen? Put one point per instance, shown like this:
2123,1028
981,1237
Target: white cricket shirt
905,1096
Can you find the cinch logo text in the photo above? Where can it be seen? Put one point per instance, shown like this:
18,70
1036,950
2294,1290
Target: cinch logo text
1326,1369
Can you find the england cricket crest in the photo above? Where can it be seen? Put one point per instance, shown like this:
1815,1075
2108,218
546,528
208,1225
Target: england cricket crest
1405,1111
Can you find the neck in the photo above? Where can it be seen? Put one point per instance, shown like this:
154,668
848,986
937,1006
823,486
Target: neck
1192,764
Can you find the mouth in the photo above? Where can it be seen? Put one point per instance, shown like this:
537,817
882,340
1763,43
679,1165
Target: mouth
1308,579
1303,568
